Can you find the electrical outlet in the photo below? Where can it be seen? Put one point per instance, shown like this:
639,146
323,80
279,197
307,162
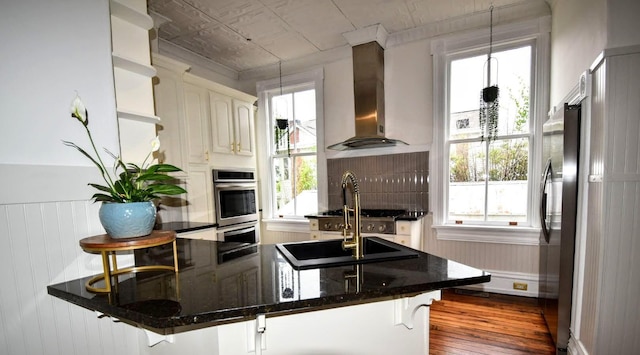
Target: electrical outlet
520,286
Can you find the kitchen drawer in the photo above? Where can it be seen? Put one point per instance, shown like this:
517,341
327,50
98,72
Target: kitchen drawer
313,224
403,227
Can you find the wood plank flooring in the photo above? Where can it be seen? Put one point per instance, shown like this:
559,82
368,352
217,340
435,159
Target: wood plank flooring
485,323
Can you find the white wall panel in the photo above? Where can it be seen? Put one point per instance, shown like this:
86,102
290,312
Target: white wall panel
587,315
618,316
506,262
40,247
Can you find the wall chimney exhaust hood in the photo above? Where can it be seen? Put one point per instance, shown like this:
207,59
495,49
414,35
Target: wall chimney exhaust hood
368,89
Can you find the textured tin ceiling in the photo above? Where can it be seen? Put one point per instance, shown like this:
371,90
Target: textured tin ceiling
249,34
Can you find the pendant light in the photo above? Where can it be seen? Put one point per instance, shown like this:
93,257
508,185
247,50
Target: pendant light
282,124
489,97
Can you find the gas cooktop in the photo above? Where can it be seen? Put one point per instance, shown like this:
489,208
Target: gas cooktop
366,212
380,221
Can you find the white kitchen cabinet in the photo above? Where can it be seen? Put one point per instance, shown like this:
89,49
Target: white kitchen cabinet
209,123
243,128
199,195
226,124
399,326
221,107
231,125
196,108
204,125
409,233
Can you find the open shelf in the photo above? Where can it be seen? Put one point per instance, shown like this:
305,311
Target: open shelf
137,116
131,15
120,61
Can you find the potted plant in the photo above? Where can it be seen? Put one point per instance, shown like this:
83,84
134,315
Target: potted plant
128,208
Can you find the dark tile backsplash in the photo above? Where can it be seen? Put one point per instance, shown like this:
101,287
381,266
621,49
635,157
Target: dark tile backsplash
397,181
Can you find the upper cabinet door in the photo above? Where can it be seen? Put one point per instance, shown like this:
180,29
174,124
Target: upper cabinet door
196,112
221,123
243,127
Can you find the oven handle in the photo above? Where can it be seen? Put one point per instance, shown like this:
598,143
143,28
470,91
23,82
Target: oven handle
237,229
235,186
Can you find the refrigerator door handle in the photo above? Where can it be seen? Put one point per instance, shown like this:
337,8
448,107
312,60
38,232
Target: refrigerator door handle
543,201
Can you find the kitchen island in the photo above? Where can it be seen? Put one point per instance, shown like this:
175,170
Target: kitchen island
238,299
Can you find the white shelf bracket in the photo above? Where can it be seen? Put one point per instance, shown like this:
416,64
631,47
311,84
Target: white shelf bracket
406,308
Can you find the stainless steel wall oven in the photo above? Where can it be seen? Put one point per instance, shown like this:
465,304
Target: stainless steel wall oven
235,193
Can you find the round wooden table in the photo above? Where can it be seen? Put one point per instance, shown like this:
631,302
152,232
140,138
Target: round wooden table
105,245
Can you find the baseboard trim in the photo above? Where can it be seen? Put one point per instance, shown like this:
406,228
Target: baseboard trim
576,347
502,282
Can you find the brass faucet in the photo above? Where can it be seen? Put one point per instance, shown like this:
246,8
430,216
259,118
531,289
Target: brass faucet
355,242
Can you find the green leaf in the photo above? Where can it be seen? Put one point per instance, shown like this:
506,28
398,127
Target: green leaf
164,168
71,144
157,177
105,198
100,187
166,189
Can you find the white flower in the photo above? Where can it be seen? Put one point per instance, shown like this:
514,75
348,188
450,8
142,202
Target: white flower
155,144
79,111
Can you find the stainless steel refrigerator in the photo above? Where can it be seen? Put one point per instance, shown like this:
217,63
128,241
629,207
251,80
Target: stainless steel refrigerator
558,208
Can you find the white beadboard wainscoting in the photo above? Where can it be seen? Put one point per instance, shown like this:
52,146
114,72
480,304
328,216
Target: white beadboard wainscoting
507,263
40,246
606,317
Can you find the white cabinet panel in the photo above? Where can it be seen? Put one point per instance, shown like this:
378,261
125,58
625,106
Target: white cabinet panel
243,122
199,195
197,115
221,123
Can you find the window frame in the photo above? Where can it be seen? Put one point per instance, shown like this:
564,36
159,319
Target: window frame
530,135
265,89
535,32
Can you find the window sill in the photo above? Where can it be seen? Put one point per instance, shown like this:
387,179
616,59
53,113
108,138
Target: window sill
489,234
286,225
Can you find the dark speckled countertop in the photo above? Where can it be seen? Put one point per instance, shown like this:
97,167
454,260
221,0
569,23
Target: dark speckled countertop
210,290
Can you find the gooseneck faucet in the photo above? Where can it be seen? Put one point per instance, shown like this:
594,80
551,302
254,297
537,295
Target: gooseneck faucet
355,242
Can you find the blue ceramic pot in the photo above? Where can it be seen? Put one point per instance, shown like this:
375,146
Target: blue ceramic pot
127,220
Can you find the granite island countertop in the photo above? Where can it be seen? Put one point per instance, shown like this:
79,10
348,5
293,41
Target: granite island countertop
210,290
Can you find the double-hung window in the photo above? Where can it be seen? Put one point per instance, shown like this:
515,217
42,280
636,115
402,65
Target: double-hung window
291,125
487,177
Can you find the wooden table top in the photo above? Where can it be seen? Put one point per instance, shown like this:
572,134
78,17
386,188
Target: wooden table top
105,242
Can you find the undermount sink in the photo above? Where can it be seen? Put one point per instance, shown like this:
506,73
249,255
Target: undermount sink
327,253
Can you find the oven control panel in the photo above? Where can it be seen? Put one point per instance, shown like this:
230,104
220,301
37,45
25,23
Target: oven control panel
367,225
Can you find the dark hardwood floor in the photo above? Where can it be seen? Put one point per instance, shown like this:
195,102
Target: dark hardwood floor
466,322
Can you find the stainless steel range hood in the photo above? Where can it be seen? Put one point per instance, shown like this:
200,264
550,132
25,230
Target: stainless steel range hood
368,89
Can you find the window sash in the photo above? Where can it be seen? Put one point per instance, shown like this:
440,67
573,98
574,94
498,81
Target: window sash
448,141
274,154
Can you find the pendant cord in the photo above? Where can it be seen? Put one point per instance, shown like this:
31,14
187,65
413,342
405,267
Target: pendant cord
280,67
490,30
490,45
288,131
